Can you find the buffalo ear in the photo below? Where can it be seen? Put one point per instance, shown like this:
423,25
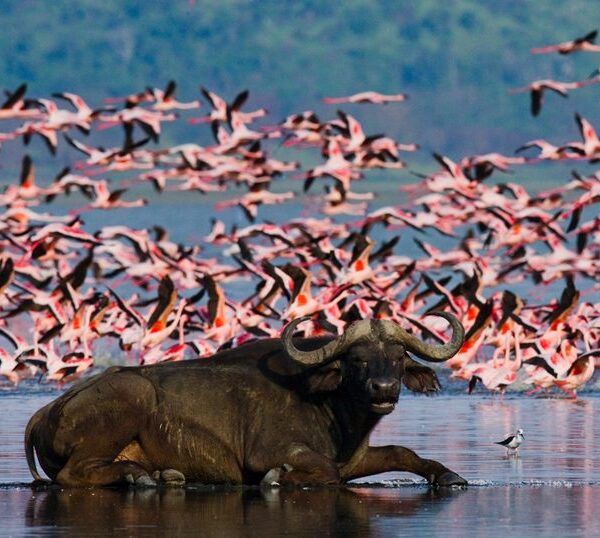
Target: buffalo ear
326,378
419,378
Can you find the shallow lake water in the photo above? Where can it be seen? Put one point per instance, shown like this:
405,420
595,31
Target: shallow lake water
551,489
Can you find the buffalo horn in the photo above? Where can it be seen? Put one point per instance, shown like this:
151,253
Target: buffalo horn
358,329
425,351
387,330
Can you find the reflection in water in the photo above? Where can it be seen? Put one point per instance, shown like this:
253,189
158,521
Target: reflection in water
361,511
231,512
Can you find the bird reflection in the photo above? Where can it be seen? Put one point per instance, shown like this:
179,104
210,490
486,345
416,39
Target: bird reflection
516,467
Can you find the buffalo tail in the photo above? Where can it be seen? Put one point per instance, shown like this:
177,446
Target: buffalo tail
29,444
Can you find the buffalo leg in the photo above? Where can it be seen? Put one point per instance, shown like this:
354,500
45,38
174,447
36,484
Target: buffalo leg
97,460
171,477
384,459
95,472
98,428
303,465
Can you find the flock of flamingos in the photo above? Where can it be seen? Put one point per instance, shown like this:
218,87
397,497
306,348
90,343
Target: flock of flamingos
519,269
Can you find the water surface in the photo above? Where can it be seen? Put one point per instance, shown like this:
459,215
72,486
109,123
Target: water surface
552,488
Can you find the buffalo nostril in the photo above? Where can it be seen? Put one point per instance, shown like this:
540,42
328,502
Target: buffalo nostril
384,387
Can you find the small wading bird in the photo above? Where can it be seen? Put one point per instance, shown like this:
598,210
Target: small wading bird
512,443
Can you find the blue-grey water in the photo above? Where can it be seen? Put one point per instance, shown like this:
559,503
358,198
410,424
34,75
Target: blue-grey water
551,489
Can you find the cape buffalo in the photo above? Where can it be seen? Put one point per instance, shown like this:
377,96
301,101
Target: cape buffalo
285,411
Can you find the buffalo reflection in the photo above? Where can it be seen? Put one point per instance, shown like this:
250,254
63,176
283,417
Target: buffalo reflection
228,512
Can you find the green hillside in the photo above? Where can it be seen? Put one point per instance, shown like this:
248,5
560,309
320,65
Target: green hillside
456,59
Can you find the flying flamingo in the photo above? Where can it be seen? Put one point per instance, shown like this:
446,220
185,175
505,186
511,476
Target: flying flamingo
303,302
221,110
219,327
590,145
149,120
12,366
497,376
152,332
549,151
165,99
538,87
579,373
257,195
15,107
106,199
304,120
101,156
584,43
367,97
336,167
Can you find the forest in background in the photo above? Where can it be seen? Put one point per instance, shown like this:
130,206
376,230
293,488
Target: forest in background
456,59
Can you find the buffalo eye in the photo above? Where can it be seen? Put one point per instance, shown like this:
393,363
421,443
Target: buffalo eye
396,350
359,362
395,354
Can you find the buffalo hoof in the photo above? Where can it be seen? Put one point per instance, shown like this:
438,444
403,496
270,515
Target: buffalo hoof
450,478
171,477
142,481
41,482
273,477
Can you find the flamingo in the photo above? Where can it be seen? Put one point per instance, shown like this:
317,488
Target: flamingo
101,156
219,328
12,366
15,107
584,43
60,119
498,376
221,110
579,373
149,120
367,97
549,151
336,167
590,145
152,332
106,199
40,128
257,195
60,368
165,99
540,374
303,302
336,202
305,120
538,87
27,189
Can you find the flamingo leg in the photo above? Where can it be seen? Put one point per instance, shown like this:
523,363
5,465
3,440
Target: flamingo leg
533,391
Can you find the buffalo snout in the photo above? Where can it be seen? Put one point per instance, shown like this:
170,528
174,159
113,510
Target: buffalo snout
384,393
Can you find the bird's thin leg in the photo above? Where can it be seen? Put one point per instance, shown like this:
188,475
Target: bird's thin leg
570,393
